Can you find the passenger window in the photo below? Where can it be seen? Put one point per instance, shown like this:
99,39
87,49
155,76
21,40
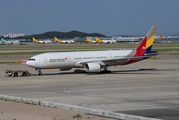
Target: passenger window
31,59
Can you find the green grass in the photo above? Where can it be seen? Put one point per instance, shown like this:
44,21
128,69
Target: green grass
166,49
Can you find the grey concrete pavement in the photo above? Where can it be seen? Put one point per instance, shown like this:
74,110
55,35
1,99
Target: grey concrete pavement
148,88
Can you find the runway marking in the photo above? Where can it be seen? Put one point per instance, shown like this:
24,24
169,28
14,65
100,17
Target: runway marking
54,75
155,71
147,79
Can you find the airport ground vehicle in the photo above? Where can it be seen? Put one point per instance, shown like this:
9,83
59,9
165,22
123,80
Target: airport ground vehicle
16,73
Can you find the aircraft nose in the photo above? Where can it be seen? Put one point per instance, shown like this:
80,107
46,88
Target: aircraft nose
29,63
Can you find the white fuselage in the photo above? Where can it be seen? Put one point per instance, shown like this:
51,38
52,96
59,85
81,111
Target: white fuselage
46,41
67,41
108,41
76,59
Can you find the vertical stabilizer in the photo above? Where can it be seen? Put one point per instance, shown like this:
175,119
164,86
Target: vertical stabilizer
88,39
57,40
98,40
150,38
144,48
146,44
34,40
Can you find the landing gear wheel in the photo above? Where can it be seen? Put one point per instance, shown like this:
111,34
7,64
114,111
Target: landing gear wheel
39,73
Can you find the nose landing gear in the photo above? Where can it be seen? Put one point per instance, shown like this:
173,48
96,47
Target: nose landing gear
39,72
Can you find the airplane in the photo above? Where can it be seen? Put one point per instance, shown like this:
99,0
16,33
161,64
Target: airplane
42,42
94,61
63,41
105,41
9,42
90,41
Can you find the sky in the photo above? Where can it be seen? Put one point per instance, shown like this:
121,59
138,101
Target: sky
108,17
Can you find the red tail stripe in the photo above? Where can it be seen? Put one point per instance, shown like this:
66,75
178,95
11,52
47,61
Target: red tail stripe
141,48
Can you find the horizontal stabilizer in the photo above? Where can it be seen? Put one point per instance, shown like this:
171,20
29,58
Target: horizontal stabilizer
150,53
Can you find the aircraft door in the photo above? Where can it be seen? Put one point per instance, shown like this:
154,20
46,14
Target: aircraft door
45,60
69,58
110,55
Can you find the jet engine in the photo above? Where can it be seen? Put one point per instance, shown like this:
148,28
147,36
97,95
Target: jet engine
92,67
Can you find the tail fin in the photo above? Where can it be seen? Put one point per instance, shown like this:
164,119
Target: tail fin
150,38
3,40
98,40
89,40
34,40
144,48
57,40
146,44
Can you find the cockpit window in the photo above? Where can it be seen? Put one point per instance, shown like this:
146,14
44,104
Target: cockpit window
31,59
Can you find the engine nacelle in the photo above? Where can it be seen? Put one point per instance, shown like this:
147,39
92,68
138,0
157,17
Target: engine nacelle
92,67
65,69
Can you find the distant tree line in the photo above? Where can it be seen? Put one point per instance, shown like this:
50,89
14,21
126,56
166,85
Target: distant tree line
62,35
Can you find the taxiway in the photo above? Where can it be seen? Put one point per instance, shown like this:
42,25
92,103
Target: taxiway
148,88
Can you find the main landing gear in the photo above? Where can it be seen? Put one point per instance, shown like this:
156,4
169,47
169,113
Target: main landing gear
105,70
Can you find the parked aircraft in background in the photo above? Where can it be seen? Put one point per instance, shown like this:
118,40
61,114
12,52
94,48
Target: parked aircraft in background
90,41
42,42
105,41
9,41
64,41
94,61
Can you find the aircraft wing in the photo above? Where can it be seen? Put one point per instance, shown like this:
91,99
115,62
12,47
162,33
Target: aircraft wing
114,60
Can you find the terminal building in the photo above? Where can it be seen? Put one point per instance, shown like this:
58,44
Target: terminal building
128,39
158,39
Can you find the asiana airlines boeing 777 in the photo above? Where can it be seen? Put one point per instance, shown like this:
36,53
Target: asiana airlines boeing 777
94,61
